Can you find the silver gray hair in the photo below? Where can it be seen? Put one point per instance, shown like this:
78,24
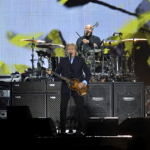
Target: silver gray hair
71,44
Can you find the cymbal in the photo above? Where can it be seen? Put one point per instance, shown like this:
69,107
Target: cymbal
49,45
111,41
135,39
31,40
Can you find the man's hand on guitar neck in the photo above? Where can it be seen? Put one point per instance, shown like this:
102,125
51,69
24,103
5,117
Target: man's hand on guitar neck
48,71
81,85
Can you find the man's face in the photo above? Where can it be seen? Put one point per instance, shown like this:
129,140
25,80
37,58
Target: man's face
88,28
71,49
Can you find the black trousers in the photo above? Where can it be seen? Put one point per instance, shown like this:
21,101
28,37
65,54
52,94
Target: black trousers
79,101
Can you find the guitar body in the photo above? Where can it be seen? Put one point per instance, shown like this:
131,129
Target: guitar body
74,87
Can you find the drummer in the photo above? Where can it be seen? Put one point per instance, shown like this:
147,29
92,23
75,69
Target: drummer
88,41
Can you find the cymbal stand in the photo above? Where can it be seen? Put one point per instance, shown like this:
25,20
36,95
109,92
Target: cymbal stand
50,67
110,73
133,62
103,74
92,65
32,55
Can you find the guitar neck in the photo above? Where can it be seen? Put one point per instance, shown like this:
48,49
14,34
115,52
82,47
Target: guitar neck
63,78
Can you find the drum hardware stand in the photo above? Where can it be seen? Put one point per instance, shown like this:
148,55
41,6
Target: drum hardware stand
121,68
34,73
50,78
133,78
32,55
92,66
110,73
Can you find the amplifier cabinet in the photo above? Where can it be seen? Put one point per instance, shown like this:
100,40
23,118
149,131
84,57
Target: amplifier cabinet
29,87
53,111
36,103
128,100
99,100
147,101
53,87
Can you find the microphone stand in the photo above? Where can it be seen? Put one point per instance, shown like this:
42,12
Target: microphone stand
70,73
92,67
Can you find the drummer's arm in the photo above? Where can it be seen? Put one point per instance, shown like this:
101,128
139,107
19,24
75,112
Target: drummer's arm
89,42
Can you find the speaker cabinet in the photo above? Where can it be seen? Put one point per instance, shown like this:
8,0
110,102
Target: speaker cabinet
99,100
36,103
106,126
53,87
53,110
128,100
147,101
18,113
135,127
29,87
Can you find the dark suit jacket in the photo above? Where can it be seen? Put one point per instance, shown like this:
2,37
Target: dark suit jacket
93,39
78,66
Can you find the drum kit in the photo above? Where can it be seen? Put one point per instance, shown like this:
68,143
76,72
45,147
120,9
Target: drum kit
47,50
110,67
104,67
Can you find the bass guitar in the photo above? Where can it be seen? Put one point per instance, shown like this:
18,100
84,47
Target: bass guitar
73,84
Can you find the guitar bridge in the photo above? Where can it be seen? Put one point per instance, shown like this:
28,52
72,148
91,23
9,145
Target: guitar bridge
83,93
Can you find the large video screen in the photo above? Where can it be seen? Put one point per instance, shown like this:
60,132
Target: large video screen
62,22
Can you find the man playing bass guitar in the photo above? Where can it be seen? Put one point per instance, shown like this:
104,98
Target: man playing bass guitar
73,67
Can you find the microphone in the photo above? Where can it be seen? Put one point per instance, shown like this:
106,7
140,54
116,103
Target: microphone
88,32
70,53
120,33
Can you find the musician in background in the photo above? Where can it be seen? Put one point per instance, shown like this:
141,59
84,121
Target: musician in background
72,67
88,41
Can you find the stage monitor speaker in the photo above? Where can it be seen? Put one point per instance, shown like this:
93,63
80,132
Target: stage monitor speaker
53,87
41,127
28,87
128,100
18,113
135,127
147,101
36,103
53,111
99,99
97,126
